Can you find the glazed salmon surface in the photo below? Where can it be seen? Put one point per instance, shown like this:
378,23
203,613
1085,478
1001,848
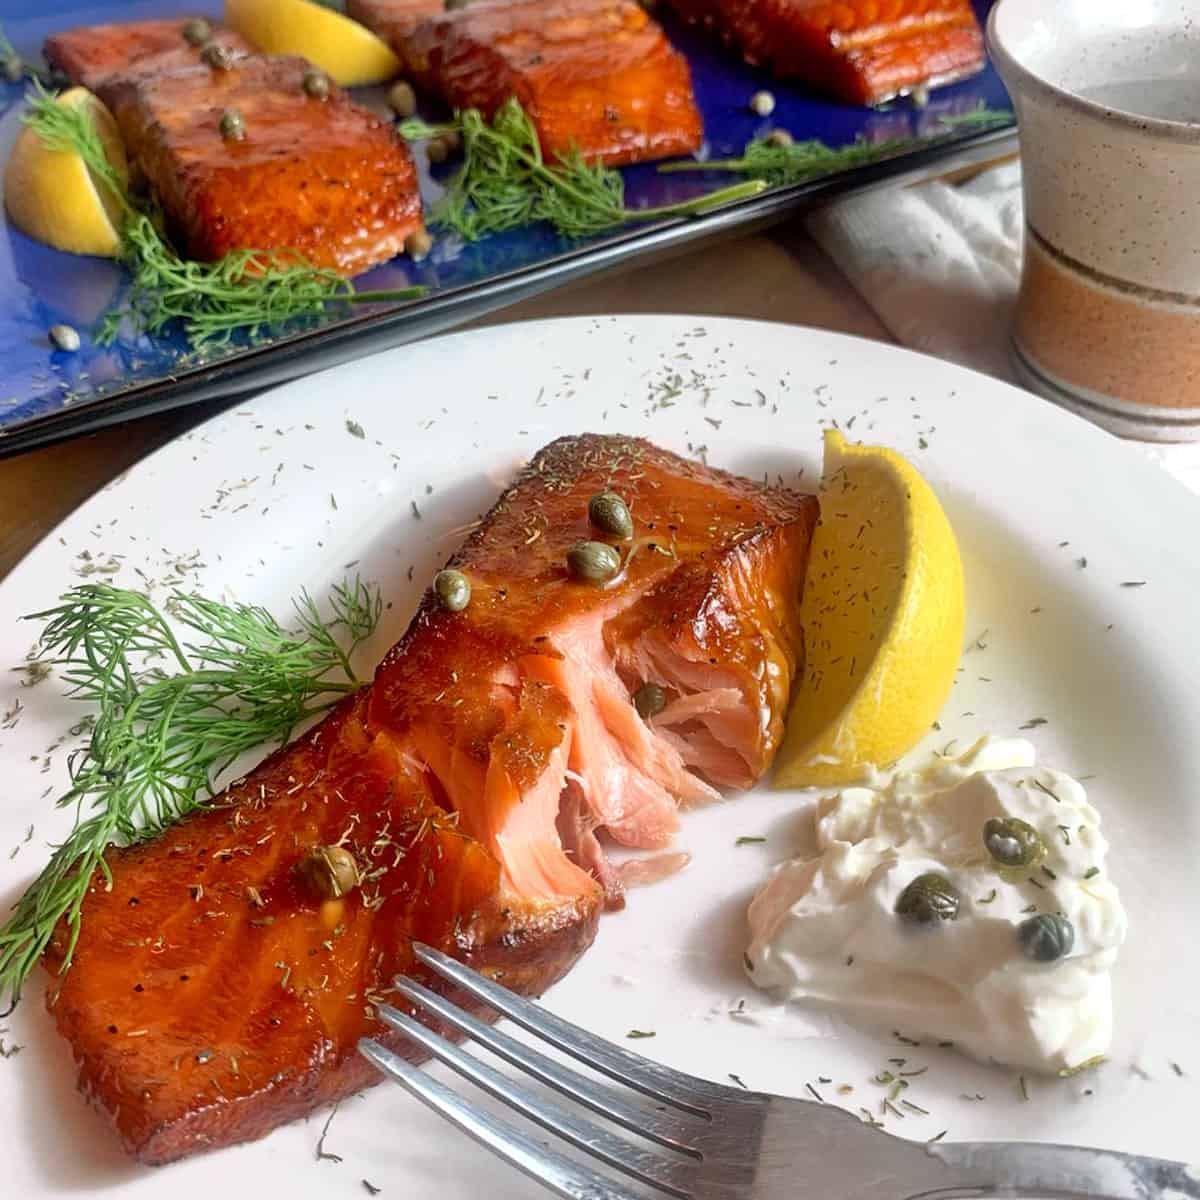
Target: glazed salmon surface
598,75
323,177
94,54
479,783
865,51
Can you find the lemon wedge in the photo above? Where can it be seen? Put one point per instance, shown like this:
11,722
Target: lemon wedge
348,52
53,197
883,614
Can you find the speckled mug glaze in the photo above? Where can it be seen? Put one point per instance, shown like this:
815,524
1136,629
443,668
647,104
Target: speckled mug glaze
1108,319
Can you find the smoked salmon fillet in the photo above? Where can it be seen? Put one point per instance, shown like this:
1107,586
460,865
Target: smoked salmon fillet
321,176
214,994
865,51
93,54
597,75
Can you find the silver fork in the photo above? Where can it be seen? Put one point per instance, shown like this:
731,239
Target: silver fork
712,1142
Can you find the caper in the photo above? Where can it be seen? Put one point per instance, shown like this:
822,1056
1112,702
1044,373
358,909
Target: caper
64,337
443,147
233,127
762,104
928,899
453,590
330,871
402,99
610,514
593,561
1013,842
418,244
649,700
1046,937
780,137
197,32
217,56
316,84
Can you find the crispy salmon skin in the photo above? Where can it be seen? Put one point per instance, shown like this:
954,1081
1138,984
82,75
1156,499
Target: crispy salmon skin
318,175
477,784
596,75
865,51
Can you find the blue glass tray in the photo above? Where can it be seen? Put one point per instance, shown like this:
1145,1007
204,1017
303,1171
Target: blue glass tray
47,394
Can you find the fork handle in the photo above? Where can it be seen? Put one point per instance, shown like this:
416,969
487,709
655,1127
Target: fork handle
1061,1172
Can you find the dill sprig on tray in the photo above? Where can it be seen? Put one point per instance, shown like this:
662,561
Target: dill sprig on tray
783,162
505,182
247,290
169,715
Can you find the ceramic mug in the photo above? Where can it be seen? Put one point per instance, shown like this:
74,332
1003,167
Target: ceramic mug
1108,97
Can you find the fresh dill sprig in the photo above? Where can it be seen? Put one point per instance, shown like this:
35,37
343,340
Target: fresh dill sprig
794,162
170,714
13,67
247,290
505,182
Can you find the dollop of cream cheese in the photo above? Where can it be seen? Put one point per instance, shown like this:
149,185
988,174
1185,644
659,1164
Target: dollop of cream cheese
825,930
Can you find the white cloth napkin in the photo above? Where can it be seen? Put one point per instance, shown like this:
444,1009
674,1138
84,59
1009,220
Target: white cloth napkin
940,265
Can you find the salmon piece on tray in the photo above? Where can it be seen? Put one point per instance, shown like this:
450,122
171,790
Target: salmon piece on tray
91,55
321,176
865,51
215,994
598,75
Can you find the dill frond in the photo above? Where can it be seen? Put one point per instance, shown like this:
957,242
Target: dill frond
171,712
506,182
797,162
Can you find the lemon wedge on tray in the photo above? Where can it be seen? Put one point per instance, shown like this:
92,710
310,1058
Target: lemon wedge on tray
883,614
53,197
347,51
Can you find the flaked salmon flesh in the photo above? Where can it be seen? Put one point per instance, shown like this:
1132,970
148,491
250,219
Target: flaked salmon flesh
479,782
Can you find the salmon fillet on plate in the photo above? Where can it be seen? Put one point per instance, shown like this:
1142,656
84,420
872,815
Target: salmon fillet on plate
479,785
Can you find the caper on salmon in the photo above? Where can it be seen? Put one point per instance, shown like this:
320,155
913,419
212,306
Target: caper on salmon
196,32
610,514
316,84
593,562
217,56
233,127
453,590
928,899
330,871
649,700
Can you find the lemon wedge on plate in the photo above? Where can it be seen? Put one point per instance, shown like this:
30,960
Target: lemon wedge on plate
347,51
53,197
883,614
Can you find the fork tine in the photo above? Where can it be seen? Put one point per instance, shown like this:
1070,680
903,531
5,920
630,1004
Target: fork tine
568,1179
654,1169
662,1083
666,1131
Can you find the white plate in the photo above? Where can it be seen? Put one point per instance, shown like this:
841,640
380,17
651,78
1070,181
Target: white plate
280,495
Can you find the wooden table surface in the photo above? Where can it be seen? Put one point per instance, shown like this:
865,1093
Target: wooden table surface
777,276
